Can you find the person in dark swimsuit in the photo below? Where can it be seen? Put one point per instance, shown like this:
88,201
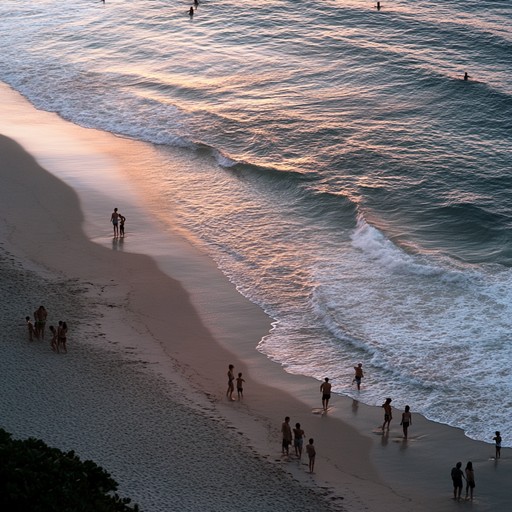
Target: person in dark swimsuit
457,476
325,389
387,413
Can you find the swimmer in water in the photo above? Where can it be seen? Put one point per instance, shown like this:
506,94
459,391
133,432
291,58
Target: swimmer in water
378,6
191,12
466,76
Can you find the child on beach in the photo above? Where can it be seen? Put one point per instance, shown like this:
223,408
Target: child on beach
121,224
298,439
406,420
240,386
310,449
31,330
497,439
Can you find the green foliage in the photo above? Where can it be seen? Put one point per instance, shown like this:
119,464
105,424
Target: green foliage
37,478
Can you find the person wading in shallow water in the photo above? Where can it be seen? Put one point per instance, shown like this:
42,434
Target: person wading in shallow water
359,375
122,220
114,218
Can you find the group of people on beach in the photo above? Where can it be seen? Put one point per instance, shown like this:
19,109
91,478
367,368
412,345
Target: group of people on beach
231,384
406,421
458,477
117,221
297,434
298,441
36,330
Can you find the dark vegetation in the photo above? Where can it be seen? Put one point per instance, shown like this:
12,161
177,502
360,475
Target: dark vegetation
37,478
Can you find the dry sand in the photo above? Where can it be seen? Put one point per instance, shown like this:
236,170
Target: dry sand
142,389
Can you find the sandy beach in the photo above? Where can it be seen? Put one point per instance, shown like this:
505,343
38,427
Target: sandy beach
142,389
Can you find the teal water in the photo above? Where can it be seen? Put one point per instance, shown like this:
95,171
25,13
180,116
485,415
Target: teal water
360,192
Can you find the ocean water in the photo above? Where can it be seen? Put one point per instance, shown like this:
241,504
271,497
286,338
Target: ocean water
348,180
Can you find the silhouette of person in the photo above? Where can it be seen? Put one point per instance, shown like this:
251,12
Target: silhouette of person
359,375
191,12
114,218
497,439
387,413
325,389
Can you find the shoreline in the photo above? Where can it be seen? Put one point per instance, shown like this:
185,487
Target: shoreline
375,481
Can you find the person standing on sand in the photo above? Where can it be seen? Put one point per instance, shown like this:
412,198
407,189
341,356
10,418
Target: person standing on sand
287,436
457,476
325,389
40,316
406,420
497,439
240,386
231,386
470,480
359,375
31,330
310,449
298,440
62,332
388,416
114,218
